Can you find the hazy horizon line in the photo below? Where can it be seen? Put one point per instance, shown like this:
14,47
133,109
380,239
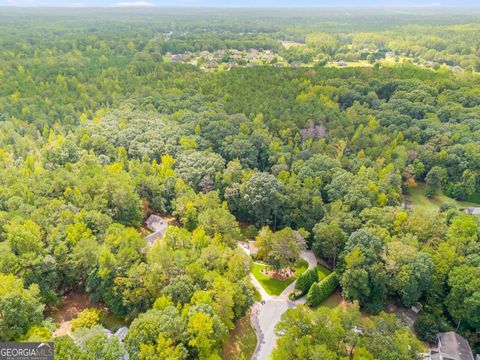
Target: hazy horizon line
153,6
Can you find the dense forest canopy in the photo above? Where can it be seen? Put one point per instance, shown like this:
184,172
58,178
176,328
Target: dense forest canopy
98,131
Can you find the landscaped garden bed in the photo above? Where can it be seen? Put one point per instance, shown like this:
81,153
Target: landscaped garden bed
275,285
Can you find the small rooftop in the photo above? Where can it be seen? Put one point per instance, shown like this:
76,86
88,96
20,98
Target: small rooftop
158,226
121,333
155,222
473,211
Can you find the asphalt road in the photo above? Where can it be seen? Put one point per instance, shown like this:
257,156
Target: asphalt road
266,316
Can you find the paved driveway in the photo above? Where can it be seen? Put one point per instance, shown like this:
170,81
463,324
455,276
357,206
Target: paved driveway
265,319
266,316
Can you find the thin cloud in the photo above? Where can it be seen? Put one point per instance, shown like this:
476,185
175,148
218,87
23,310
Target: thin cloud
134,4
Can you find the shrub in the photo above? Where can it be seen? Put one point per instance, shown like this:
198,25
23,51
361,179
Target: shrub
305,281
426,328
294,295
86,319
320,291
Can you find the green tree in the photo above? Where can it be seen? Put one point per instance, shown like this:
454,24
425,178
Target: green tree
434,180
165,349
24,238
329,240
463,301
20,308
261,198
280,249
364,281
86,319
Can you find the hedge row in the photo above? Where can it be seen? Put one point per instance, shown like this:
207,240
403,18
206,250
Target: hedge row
305,281
320,291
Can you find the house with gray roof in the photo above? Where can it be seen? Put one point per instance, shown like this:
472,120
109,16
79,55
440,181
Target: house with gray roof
158,226
472,210
451,346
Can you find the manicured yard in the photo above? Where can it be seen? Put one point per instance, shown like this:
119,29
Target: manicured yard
323,272
417,200
241,341
474,198
275,286
301,268
334,300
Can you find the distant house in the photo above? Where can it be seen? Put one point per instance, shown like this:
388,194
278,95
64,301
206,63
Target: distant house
472,211
177,58
158,226
211,64
451,346
296,64
268,56
153,222
167,36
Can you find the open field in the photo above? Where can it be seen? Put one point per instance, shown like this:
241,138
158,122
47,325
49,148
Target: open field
335,64
418,201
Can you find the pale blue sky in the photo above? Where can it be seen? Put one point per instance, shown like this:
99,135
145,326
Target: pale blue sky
241,3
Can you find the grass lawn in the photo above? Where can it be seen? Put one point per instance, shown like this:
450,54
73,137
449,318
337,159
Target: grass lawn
274,286
417,200
349,64
256,295
334,300
241,341
323,272
112,322
300,268
474,198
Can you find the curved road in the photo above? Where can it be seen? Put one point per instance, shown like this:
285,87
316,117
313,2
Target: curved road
266,316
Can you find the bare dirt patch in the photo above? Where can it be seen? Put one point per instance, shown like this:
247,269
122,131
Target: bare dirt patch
283,274
70,306
407,314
